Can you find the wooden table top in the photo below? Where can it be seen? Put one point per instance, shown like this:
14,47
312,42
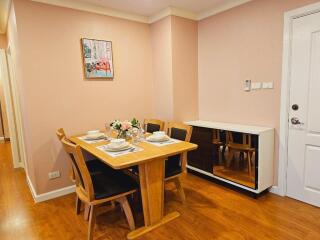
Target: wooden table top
148,153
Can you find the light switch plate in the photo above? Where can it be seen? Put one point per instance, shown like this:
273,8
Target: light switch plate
247,85
267,85
256,85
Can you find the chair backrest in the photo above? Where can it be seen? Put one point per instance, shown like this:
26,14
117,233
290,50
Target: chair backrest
216,139
246,139
153,125
181,132
60,133
82,175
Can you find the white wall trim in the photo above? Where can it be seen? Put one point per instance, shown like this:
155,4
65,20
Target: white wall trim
275,190
49,195
285,94
8,96
172,11
95,9
169,11
221,8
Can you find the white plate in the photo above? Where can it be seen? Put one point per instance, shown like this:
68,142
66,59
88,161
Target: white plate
107,148
157,139
95,136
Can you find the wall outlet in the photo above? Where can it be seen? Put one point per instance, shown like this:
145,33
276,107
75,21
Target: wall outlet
53,175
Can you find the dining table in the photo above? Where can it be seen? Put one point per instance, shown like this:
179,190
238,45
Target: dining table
150,160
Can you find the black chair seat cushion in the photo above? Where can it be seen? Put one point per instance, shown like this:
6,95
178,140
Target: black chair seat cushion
152,127
111,183
95,166
173,166
135,170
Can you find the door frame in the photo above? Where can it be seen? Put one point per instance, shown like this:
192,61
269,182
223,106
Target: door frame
13,110
289,16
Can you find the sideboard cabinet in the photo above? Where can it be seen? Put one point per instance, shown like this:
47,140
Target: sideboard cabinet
239,155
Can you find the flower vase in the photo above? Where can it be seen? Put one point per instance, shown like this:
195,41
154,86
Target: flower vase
123,135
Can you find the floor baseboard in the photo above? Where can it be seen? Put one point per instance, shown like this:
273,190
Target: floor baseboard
49,195
275,190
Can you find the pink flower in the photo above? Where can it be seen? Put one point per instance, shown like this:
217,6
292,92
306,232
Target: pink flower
126,125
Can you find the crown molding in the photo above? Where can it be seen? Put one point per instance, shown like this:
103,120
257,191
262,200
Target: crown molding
172,11
221,8
95,9
169,11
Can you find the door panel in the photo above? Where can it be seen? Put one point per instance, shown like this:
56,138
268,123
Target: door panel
313,108
303,178
312,168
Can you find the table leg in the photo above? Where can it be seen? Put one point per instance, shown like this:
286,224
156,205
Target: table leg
151,176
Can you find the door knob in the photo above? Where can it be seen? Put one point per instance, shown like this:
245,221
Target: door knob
295,107
296,121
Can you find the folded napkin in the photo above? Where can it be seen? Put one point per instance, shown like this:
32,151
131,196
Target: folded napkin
165,143
133,149
87,140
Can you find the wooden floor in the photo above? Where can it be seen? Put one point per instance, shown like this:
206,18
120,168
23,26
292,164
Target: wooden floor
210,212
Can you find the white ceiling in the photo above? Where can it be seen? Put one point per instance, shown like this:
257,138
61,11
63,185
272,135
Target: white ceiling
151,7
147,11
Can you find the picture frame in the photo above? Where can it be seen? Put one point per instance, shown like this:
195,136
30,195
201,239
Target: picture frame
97,57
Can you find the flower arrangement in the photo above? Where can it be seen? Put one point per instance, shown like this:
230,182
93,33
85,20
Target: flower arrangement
124,128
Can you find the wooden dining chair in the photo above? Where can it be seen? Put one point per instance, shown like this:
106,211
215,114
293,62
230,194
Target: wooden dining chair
150,126
95,190
95,166
61,134
244,148
176,165
216,140
153,125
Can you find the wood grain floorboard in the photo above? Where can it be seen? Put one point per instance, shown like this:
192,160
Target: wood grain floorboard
210,212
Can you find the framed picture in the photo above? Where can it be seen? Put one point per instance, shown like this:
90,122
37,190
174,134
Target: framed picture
97,59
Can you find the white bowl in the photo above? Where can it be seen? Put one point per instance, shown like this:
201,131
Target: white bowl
117,142
93,132
159,133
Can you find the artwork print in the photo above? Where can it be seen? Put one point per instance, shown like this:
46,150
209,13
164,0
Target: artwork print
97,59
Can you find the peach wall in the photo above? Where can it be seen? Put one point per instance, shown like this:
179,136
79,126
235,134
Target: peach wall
184,68
54,91
241,43
3,41
162,68
175,63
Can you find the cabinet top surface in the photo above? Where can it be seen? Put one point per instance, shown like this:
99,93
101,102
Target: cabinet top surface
230,126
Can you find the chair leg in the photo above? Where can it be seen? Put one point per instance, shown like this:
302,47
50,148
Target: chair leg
92,222
127,211
78,205
179,187
249,163
87,209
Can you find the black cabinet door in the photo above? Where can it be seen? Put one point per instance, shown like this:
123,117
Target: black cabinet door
202,158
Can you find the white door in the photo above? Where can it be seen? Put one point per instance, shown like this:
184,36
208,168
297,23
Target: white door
303,172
